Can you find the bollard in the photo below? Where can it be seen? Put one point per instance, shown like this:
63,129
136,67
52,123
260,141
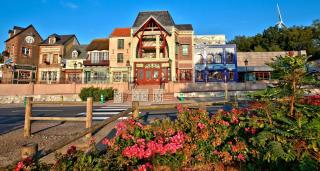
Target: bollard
89,115
28,114
29,150
101,99
24,101
135,109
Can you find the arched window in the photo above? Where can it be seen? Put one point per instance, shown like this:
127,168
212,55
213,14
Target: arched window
75,54
218,58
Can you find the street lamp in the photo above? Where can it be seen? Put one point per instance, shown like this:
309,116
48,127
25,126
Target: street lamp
245,75
75,75
129,69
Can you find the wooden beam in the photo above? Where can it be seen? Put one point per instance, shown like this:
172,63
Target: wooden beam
80,119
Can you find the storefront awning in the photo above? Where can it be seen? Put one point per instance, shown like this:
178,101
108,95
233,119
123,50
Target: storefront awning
254,68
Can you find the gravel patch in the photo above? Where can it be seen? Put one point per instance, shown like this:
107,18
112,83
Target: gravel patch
44,134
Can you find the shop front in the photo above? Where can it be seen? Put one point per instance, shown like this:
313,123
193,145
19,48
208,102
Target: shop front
152,73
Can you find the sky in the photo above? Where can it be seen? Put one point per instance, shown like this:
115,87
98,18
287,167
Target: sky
90,19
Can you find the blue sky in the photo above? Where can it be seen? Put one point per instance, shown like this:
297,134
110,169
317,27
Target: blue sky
90,19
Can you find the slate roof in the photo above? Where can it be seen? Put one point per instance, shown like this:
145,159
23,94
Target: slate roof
21,31
163,17
98,44
184,27
60,39
82,52
121,32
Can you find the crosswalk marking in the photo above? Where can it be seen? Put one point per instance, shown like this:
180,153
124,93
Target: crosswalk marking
106,112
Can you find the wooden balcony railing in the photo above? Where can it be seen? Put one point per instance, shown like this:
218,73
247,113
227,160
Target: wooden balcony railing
96,63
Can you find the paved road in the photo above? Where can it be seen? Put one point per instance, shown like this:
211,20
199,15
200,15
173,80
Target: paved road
12,118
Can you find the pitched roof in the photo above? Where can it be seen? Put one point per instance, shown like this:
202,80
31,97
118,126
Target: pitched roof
184,27
60,39
21,31
121,32
163,17
82,52
98,44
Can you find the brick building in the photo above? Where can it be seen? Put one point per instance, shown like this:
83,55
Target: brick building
22,55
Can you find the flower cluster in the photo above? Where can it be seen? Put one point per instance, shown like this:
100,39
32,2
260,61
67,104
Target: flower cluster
312,100
24,163
143,149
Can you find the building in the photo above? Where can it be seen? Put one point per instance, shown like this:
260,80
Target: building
215,63
252,66
73,59
96,66
216,39
52,52
161,51
120,53
22,55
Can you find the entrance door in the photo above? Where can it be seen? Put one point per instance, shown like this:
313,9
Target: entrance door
149,76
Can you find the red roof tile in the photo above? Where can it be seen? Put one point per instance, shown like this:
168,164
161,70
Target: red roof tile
121,32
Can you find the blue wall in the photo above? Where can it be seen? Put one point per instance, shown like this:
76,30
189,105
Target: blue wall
216,63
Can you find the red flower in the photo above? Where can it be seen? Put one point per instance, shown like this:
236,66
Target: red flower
19,166
201,125
241,157
72,149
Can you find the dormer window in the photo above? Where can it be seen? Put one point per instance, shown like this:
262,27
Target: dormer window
75,54
52,40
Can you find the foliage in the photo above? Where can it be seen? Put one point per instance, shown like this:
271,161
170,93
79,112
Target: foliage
78,160
96,93
274,39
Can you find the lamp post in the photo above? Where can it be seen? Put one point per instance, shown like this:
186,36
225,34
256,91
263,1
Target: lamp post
129,74
75,75
245,75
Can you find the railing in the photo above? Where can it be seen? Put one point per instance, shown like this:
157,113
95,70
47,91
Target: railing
99,63
29,117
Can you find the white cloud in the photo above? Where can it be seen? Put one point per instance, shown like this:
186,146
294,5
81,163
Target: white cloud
70,5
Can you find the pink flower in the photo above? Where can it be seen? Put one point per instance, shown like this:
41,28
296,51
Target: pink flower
19,166
253,131
230,143
180,108
216,152
246,129
241,157
141,141
201,125
144,167
120,127
234,119
234,148
139,124
106,141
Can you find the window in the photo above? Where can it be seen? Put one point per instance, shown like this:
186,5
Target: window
185,50
185,75
262,75
230,55
44,75
120,58
125,77
218,58
75,54
210,59
26,51
55,58
120,43
45,58
116,76
95,57
52,40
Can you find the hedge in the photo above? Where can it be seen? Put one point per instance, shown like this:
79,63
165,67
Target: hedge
96,93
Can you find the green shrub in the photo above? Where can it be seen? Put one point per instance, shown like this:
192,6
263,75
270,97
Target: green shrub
96,93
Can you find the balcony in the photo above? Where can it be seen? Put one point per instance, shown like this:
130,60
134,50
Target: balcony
96,63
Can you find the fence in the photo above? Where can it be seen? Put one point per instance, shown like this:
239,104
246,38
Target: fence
29,117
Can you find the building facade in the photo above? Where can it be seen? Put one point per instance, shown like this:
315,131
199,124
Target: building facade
52,52
73,68
161,51
120,53
22,55
96,66
252,66
216,63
